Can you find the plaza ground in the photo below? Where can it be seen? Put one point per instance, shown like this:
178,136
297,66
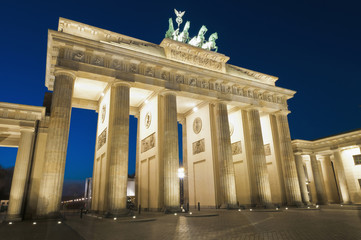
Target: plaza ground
331,222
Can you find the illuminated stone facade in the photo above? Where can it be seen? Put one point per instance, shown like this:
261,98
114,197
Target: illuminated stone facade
329,168
236,141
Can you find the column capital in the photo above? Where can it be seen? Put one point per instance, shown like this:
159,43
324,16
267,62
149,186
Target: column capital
27,129
168,92
65,73
282,112
121,83
335,149
251,107
298,153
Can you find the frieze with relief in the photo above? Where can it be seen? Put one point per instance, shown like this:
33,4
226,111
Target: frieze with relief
148,143
179,78
198,146
149,71
133,68
118,64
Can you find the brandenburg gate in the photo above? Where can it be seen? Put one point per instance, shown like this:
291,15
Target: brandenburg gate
236,140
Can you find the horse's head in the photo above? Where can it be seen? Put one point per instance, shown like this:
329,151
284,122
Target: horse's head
213,37
187,26
203,30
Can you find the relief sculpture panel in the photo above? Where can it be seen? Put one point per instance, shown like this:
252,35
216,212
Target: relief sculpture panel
148,143
102,138
236,148
198,146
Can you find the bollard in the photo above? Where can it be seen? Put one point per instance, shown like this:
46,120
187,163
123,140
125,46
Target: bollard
199,206
187,206
140,209
81,213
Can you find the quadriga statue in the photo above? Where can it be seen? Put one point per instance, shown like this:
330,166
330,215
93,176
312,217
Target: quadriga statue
211,44
169,33
199,39
184,36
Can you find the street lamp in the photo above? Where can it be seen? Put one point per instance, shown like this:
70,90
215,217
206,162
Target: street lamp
181,173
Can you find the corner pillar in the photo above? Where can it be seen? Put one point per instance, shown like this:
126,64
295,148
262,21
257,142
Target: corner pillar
263,190
225,161
20,176
118,151
170,152
317,177
288,163
342,183
302,179
51,184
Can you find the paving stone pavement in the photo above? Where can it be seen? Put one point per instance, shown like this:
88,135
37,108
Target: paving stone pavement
292,224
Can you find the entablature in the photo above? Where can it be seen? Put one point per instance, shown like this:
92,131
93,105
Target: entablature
326,145
84,55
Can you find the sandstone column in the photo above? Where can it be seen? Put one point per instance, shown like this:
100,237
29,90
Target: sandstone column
20,176
263,191
118,151
51,184
317,177
302,179
288,163
170,152
342,183
225,160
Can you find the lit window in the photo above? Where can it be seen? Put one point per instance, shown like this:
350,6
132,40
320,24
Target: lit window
357,159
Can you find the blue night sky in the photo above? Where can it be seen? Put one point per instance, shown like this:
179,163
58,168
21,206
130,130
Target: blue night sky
314,48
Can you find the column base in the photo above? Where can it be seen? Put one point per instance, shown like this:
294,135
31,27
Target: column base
228,206
265,206
13,218
170,210
298,204
118,213
53,215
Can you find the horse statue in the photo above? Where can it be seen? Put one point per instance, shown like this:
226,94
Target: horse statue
198,41
169,33
211,44
184,36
